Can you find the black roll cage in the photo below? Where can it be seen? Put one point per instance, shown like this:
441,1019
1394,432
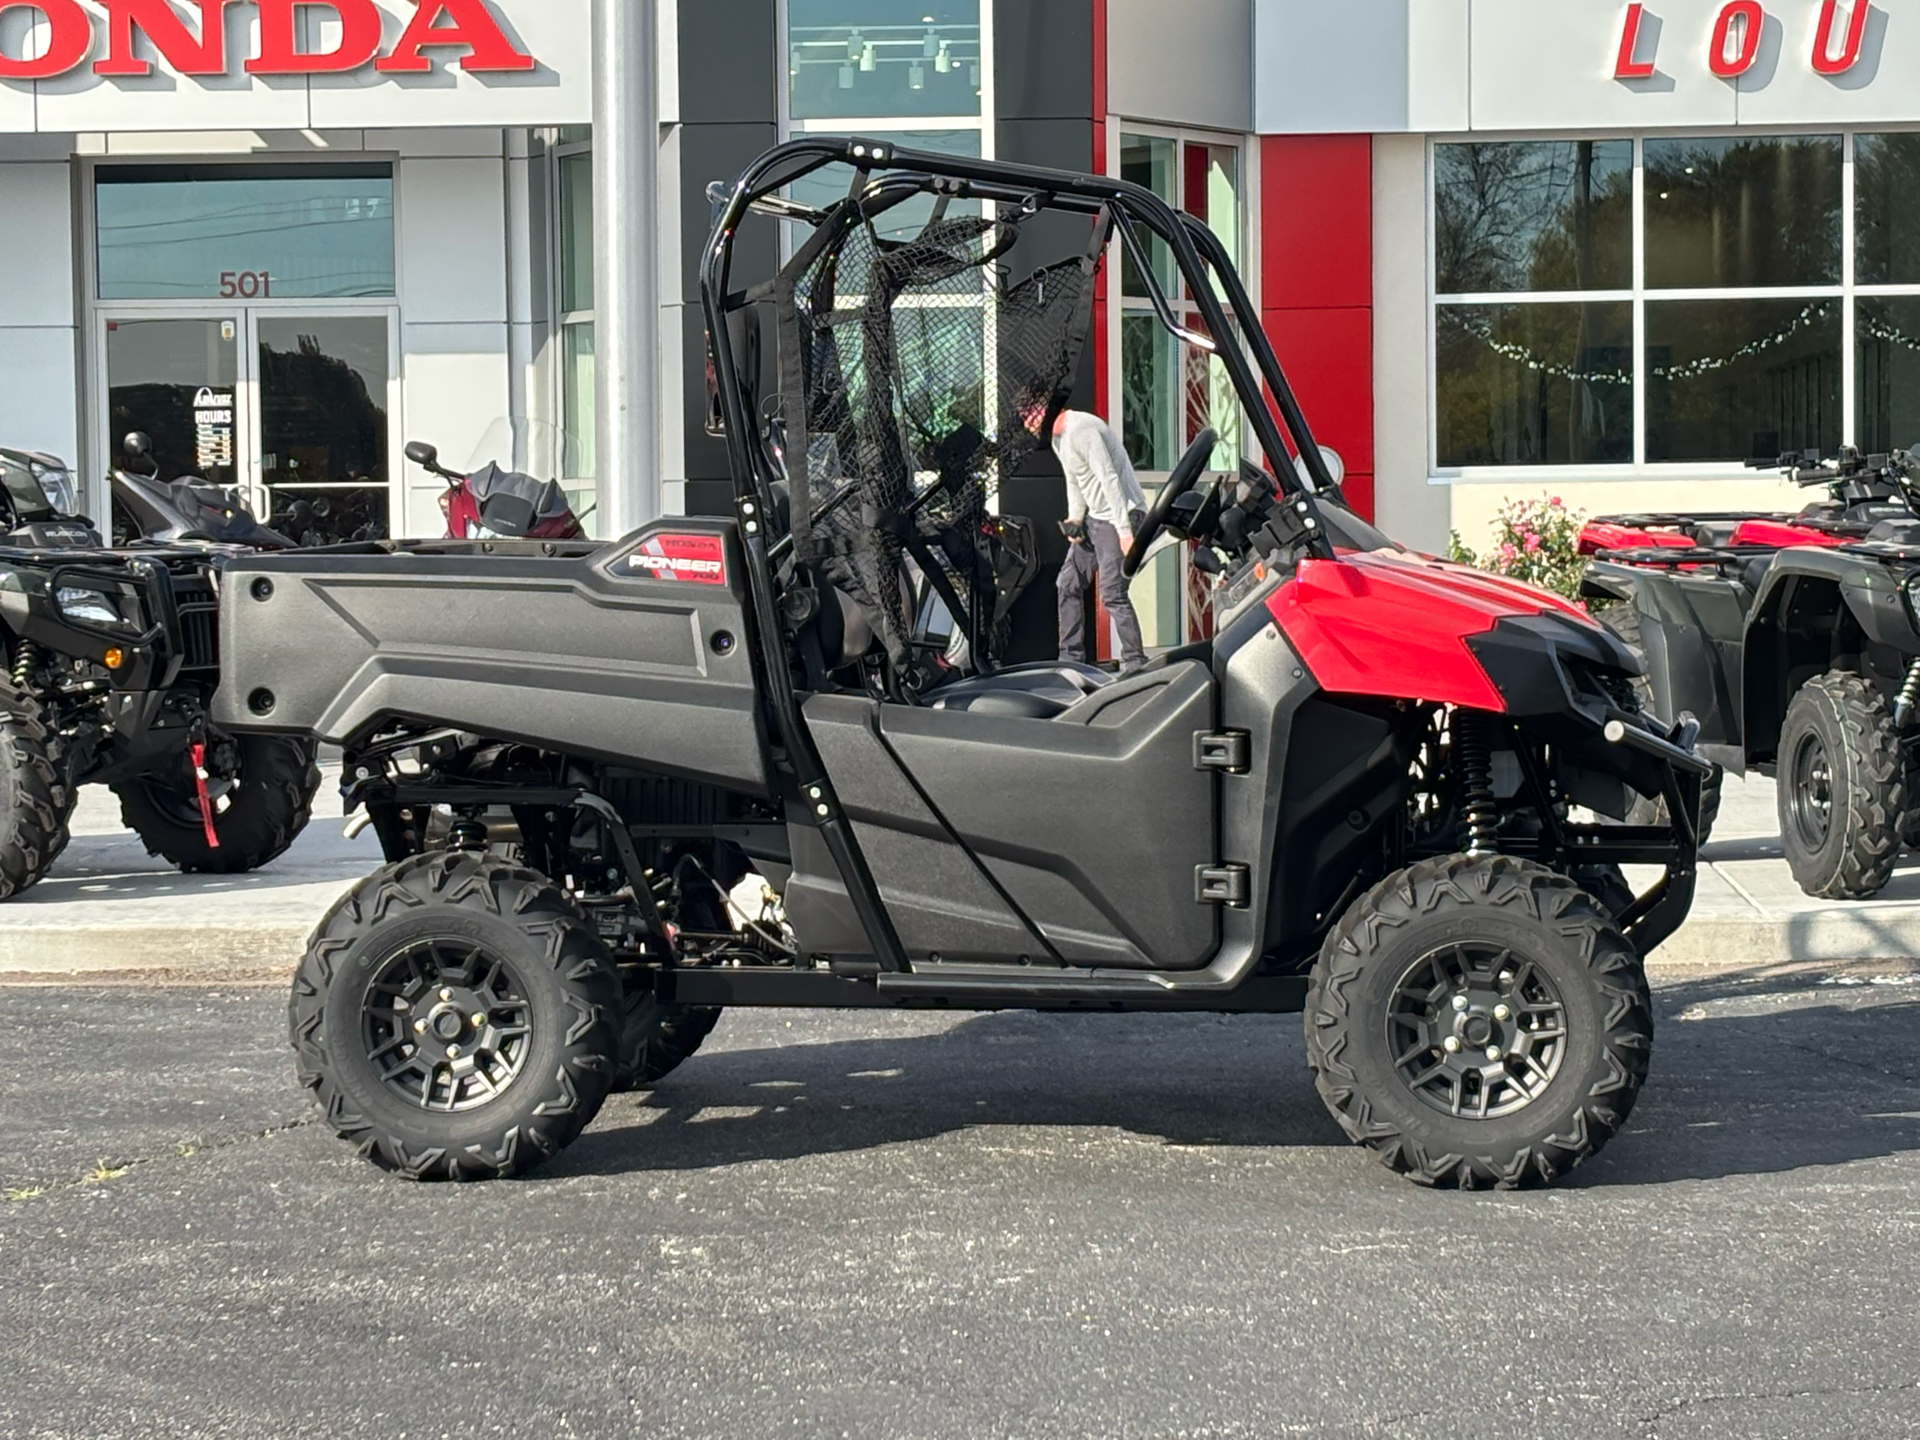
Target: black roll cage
1201,260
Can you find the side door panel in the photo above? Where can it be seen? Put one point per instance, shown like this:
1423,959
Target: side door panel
1094,822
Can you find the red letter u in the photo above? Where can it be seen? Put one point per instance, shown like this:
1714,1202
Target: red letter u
1729,67
1825,62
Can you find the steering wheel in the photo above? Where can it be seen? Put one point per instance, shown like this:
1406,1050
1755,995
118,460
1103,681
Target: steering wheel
1185,476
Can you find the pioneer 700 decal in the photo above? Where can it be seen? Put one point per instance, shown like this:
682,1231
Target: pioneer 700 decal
700,559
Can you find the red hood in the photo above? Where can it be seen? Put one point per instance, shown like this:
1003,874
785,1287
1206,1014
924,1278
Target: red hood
1396,625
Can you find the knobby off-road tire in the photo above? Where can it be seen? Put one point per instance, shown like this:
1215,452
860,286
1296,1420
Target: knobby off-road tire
257,821
36,794
1623,620
1499,934
496,964
1841,788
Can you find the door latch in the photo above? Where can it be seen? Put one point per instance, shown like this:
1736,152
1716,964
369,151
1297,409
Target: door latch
1229,885
1228,751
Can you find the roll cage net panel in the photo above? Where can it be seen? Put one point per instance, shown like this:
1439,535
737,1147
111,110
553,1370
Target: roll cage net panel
915,372
913,376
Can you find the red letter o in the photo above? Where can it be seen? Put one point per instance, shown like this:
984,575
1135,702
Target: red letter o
1755,18
71,39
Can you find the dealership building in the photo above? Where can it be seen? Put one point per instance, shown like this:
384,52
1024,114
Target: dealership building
1602,250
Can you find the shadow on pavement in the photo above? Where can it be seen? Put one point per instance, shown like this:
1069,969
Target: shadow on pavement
1730,1094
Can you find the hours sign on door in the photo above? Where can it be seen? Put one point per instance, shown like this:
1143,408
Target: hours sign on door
213,429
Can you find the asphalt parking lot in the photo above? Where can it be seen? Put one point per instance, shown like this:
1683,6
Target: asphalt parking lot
937,1225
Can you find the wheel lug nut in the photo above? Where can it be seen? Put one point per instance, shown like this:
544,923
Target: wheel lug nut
446,994
1451,1044
1506,978
421,1026
453,1052
1459,1002
1501,1012
1493,1052
478,1021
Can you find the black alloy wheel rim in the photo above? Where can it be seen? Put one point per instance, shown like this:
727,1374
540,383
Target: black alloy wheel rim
1810,803
1476,1031
446,1025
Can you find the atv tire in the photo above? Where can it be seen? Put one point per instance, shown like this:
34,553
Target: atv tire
257,820
656,1039
429,947
1523,1096
36,794
1842,788
1624,621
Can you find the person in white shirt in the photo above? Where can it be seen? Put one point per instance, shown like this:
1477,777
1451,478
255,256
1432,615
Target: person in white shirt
1105,507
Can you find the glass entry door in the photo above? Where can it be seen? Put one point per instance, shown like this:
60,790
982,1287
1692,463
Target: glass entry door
291,407
177,381
322,385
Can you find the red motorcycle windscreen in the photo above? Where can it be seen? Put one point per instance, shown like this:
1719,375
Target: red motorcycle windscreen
697,559
1396,626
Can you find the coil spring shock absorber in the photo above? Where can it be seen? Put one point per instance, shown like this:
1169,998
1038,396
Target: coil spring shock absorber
25,659
1909,697
1473,760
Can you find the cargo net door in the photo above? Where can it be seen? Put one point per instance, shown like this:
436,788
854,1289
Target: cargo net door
913,375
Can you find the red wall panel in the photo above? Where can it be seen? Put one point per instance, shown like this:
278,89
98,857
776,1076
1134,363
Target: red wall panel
1316,287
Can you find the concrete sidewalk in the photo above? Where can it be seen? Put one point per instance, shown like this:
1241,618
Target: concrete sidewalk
111,909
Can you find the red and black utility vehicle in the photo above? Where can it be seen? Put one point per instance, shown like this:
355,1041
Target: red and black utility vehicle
1791,641
1362,800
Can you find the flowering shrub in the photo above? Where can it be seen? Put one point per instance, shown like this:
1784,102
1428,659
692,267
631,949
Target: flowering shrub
1536,541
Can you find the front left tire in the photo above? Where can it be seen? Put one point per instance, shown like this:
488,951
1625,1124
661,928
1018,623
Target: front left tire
1479,1021
260,805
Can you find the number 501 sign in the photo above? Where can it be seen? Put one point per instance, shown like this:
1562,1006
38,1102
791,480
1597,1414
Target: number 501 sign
246,285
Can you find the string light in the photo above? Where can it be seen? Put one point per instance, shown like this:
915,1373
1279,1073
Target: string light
1482,331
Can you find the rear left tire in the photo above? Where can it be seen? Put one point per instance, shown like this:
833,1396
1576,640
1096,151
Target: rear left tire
456,1018
36,794
1479,1022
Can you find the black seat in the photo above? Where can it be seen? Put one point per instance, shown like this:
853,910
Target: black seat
1031,692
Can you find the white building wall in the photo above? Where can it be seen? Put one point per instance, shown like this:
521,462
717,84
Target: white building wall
1186,64
450,198
39,370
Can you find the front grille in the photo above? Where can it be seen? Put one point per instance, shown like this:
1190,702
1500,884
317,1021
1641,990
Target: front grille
199,606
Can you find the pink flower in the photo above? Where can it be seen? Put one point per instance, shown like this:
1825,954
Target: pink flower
1508,553
1533,543
1555,502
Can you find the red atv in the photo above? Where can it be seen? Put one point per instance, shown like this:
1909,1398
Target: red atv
1388,794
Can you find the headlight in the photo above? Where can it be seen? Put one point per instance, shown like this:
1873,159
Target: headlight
58,487
93,607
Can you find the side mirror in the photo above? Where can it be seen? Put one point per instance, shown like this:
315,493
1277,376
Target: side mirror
506,514
422,454
137,443
1336,467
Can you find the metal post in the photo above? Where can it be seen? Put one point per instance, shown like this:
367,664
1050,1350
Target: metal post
626,188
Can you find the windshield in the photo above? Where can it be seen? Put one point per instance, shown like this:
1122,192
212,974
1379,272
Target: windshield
540,450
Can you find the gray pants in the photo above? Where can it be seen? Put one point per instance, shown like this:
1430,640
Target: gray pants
1099,556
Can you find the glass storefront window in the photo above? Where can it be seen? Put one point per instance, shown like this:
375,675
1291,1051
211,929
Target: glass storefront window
1886,184
883,57
1741,214
323,425
244,232
578,407
1536,384
1738,379
576,231
1888,373
1723,320
1543,215
177,383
